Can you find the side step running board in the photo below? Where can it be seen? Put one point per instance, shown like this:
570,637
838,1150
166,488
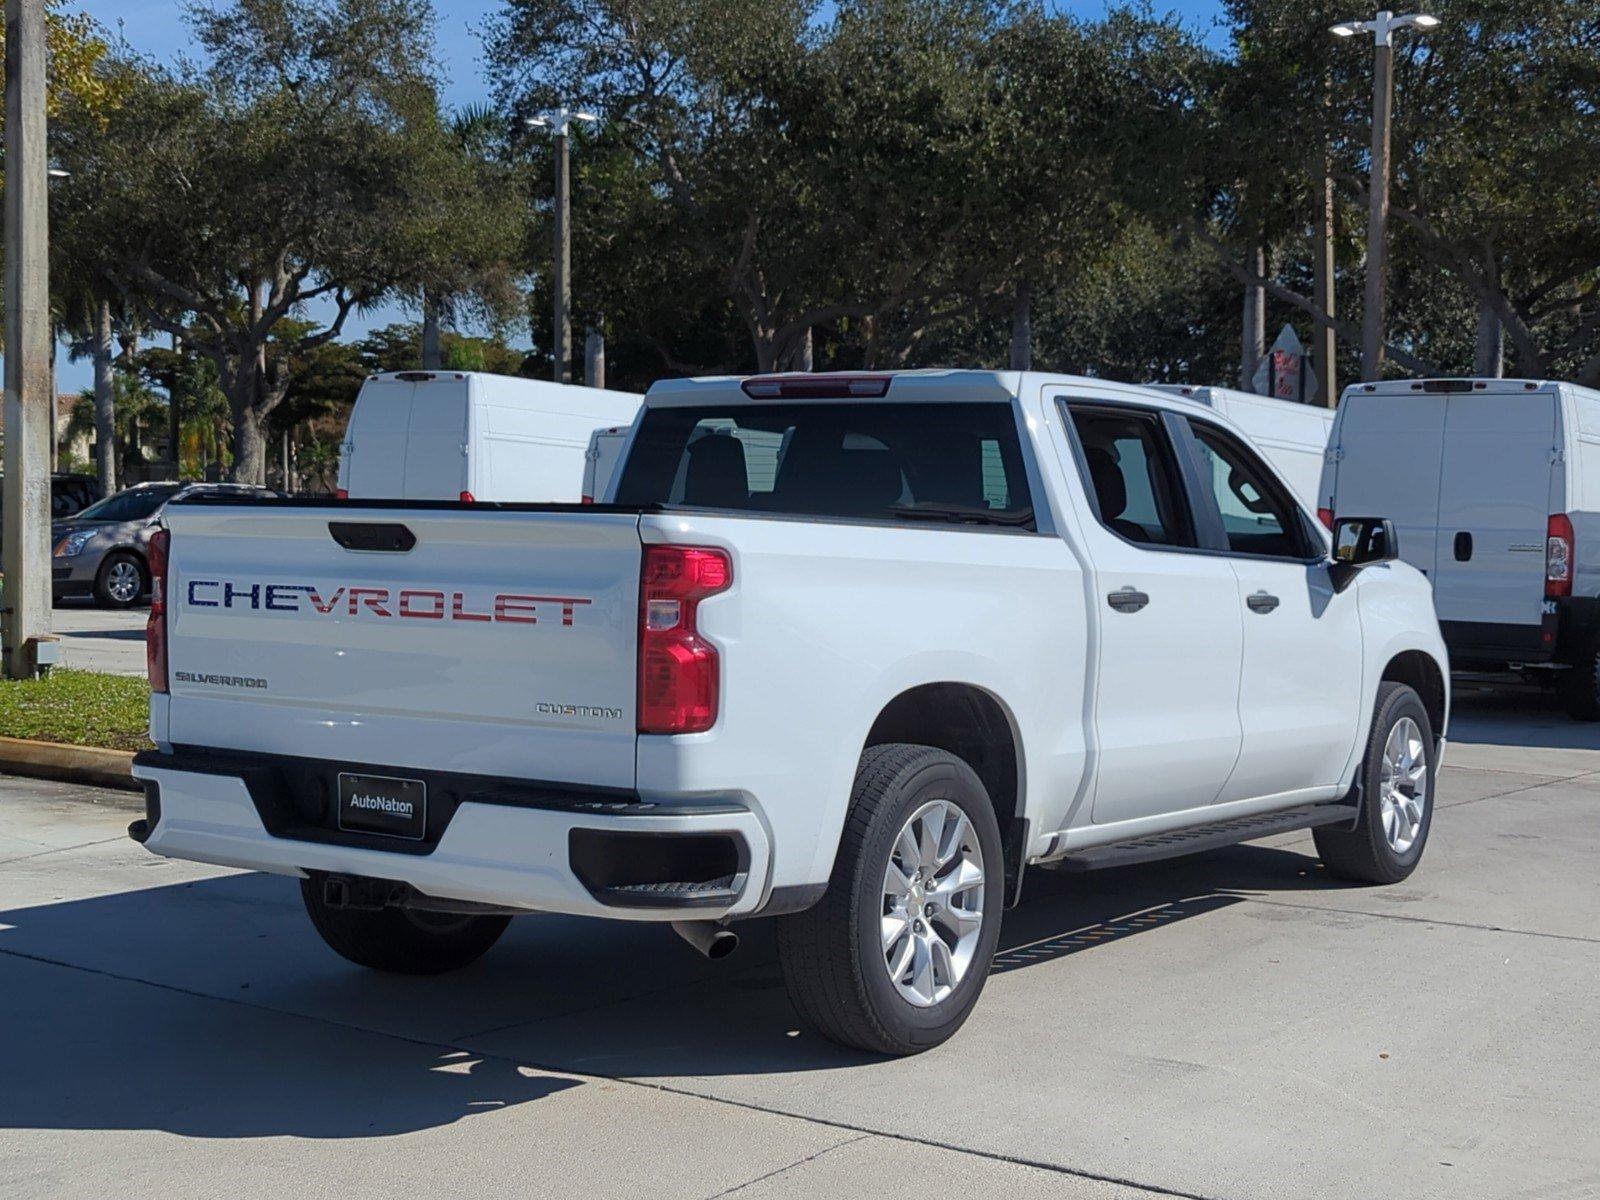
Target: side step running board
1203,837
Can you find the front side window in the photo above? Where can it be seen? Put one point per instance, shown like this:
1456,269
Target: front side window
1257,515
959,462
1132,475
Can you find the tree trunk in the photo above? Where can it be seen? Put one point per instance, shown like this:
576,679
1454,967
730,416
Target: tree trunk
1253,339
1022,329
249,419
1491,356
105,415
432,358
249,449
594,358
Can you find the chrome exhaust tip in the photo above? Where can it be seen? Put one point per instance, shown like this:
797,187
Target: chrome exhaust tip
712,940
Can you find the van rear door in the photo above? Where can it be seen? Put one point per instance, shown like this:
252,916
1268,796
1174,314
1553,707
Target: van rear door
407,439
1388,464
1494,508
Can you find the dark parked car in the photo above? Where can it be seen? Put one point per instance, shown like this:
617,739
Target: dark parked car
70,493
100,551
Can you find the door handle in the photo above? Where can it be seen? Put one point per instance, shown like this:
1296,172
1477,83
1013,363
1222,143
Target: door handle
1463,546
1262,602
1127,600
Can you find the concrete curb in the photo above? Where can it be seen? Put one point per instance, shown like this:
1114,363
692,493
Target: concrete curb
75,764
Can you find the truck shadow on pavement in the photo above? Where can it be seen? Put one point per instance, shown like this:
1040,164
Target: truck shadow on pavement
210,1009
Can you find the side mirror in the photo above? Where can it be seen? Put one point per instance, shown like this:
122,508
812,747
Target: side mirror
1361,542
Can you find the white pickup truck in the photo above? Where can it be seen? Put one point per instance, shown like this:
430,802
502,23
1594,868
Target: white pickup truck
849,651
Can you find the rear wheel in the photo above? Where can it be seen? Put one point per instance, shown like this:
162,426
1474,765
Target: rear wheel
401,940
120,581
1579,685
894,956
1397,775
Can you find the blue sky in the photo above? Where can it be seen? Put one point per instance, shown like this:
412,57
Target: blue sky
158,28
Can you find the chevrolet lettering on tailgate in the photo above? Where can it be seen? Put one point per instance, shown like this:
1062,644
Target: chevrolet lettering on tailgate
380,602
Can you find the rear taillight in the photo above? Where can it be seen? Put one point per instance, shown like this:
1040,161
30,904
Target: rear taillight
679,671
1559,548
342,494
585,499
155,630
1325,515
467,498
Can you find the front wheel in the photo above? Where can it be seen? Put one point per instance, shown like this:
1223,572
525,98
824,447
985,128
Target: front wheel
120,581
401,940
1397,778
893,957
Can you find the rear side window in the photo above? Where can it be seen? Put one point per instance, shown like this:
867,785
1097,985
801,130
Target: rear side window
960,463
1133,476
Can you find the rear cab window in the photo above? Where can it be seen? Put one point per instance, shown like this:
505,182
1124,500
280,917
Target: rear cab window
903,461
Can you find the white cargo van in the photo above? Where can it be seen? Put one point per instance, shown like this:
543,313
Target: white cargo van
1494,489
466,435
1292,437
600,462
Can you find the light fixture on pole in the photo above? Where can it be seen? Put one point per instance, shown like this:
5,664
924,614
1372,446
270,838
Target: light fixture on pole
1382,27
558,123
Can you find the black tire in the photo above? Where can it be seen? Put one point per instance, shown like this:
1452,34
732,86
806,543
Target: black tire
832,955
102,579
1363,854
400,940
1579,685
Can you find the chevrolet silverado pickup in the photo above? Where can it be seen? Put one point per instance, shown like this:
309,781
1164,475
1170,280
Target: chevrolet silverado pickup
849,652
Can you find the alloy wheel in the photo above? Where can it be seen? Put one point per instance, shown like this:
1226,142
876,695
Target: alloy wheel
933,897
123,581
1403,785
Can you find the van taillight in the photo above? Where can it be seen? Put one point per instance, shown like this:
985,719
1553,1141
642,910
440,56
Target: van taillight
155,629
342,494
585,499
679,672
466,498
1325,515
1559,552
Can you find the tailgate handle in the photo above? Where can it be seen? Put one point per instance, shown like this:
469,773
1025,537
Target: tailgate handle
372,535
1463,546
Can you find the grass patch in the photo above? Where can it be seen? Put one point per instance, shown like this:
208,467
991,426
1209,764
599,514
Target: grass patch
82,708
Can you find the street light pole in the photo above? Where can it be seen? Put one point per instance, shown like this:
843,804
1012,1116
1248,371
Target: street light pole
1382,28
558,122
29,386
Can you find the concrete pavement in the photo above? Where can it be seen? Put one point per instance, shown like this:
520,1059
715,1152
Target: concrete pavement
1234,1025
100,639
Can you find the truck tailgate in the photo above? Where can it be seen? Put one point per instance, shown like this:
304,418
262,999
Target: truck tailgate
487,641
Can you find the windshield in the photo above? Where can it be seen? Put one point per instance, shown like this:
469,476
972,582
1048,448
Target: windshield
135,504
896,461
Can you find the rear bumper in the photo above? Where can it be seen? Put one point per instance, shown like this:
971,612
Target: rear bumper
540,850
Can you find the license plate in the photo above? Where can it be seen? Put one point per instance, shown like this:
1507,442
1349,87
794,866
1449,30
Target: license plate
383,804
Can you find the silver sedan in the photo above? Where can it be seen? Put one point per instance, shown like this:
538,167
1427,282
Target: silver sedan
102,551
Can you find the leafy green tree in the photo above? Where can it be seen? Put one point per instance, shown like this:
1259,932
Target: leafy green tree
859,179
307,165
1495,199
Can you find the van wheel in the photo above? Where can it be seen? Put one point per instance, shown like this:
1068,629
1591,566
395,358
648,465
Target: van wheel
893,957
401,940
1579,685
1397,775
